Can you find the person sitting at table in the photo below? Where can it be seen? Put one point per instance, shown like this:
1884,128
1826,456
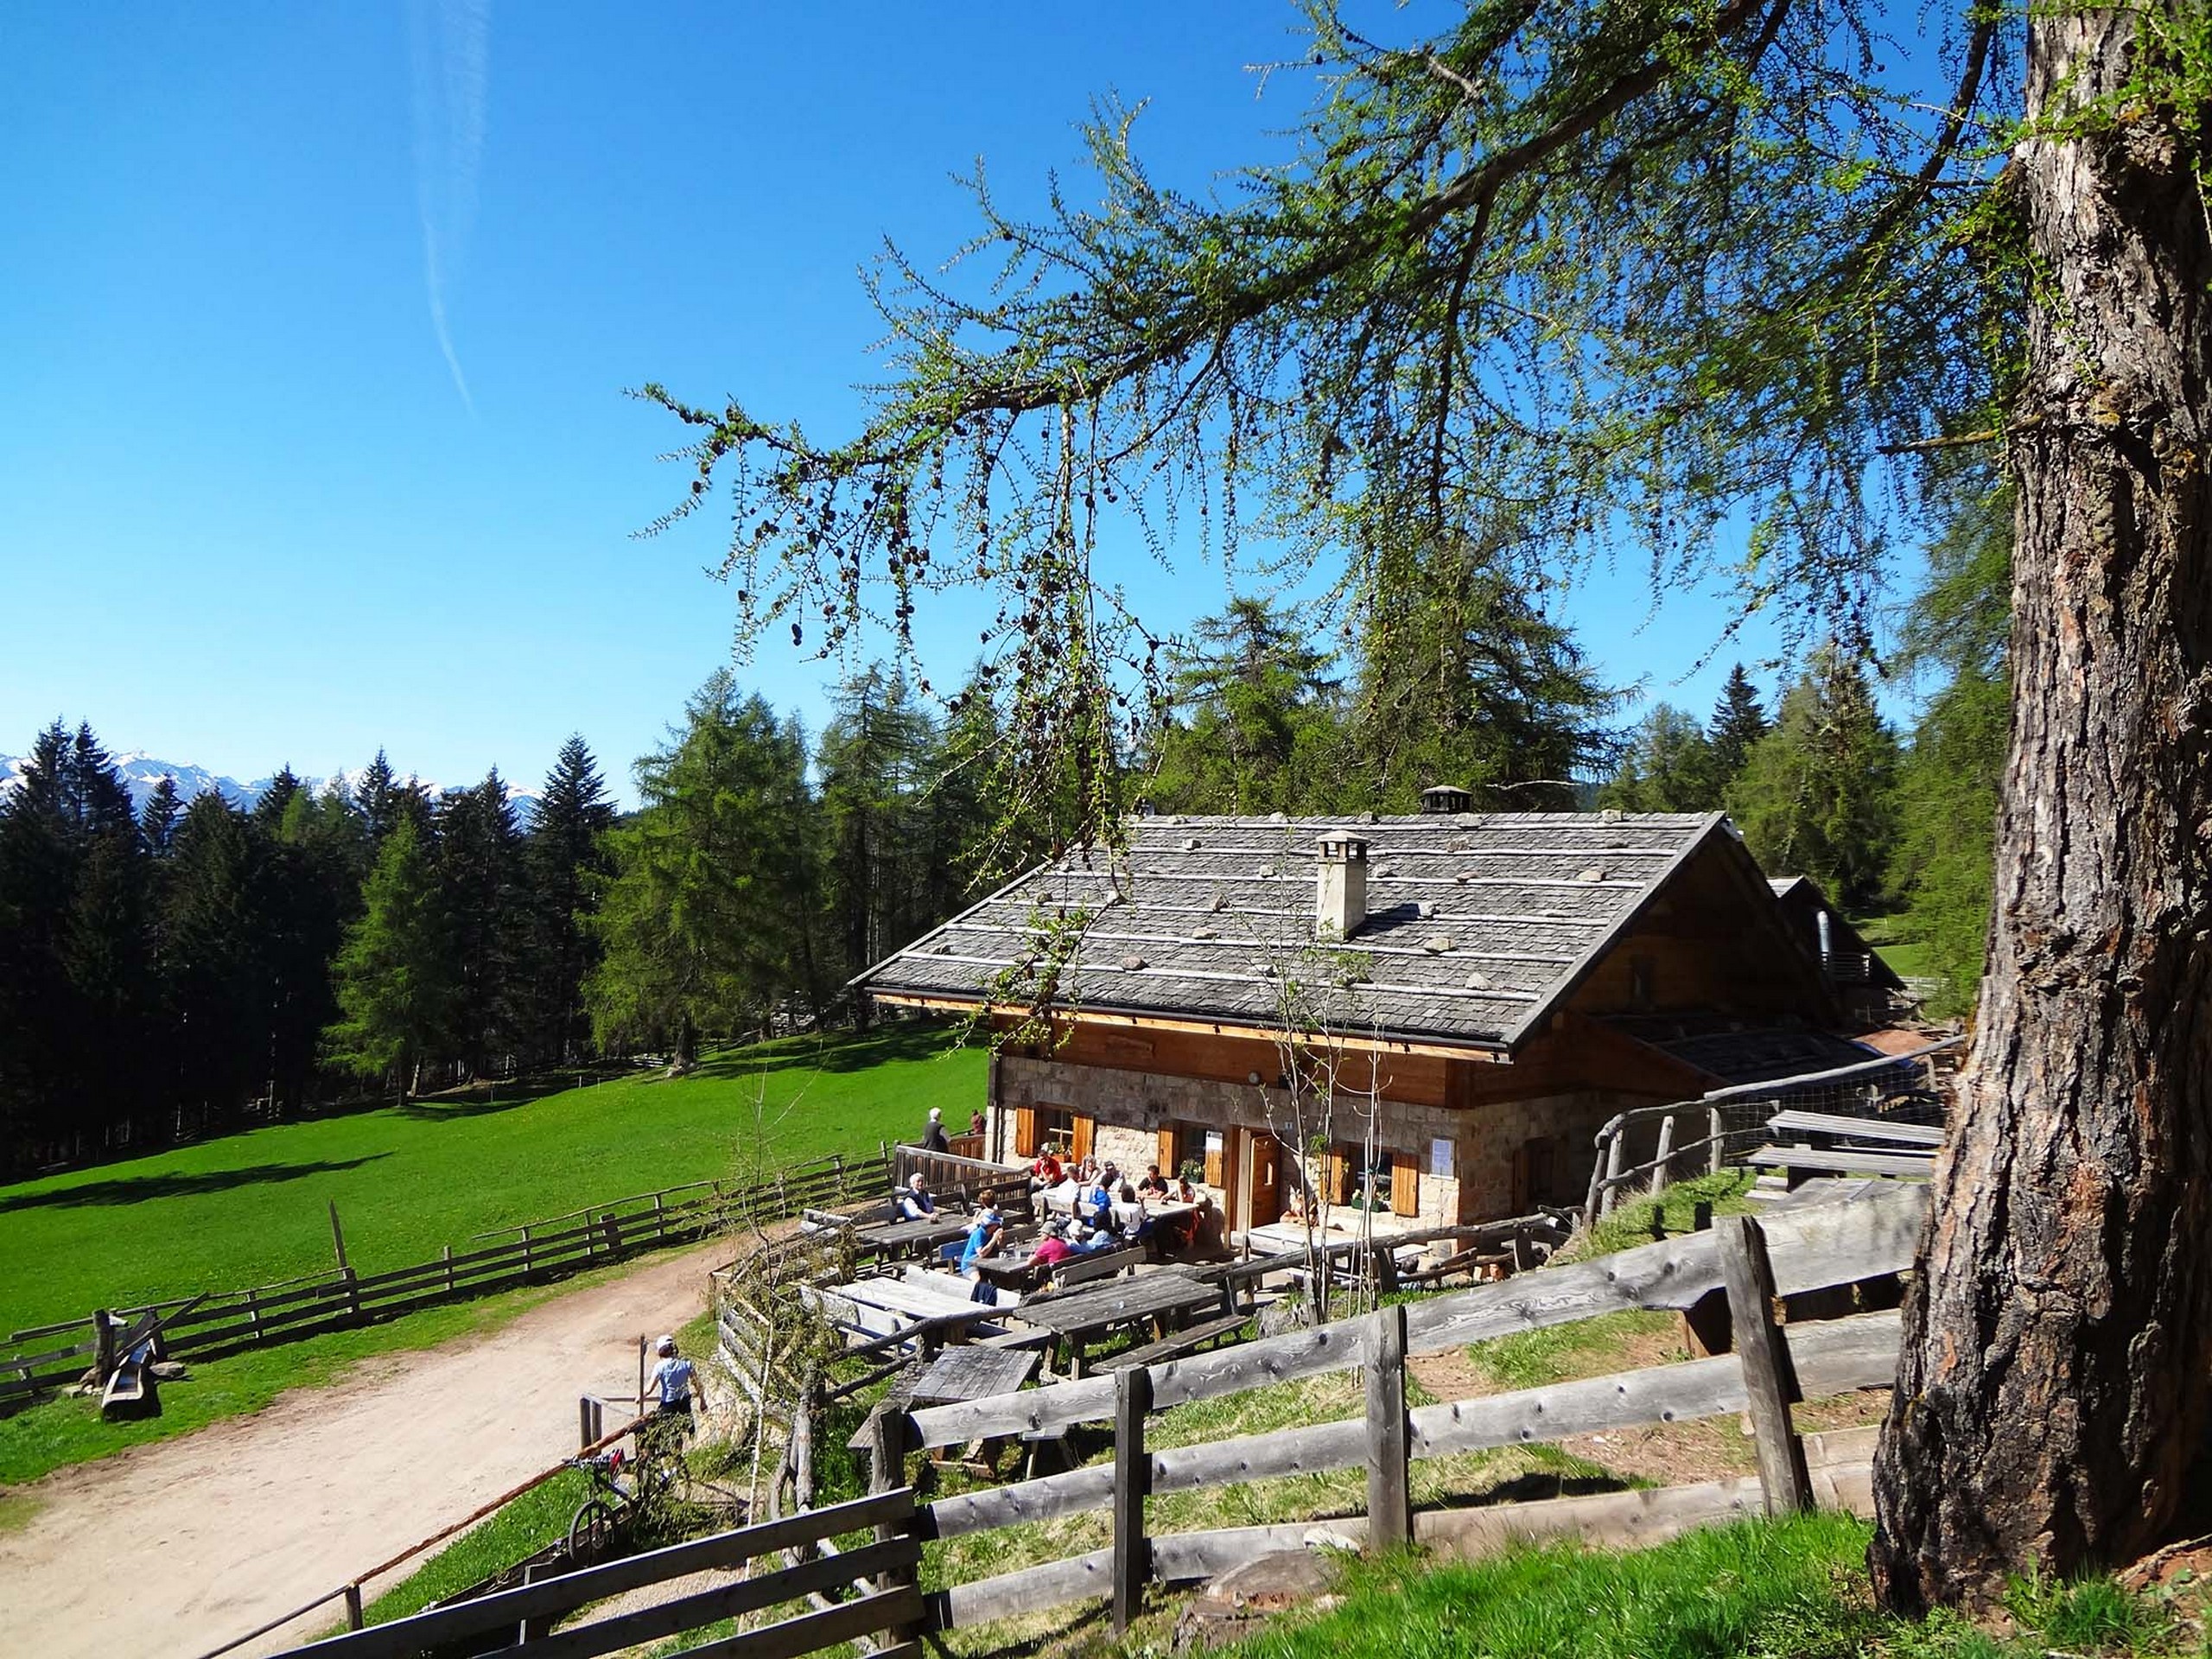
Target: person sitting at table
1053,1248
1136,1222
1045,1173
915,1203
1154,1185
1088,1240
984,1238
1095,1203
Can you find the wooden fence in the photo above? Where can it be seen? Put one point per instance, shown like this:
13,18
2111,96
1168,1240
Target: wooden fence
1814,1248
535,1251
876,1575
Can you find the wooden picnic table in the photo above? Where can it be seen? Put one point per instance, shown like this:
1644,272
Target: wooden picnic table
973,1373
1075,1317
904,1238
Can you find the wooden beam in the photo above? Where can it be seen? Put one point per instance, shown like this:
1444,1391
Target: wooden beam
1132,1480
1114,1020
1768,1381
1390,1505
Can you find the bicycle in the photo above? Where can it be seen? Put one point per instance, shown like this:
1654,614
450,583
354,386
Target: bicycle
592,1529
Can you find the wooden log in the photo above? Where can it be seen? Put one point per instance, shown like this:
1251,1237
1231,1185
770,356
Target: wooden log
705,1607
1610,1194
1768,1381
1716,1150
1390,1506
1618,1520
503,1609
1664,1155
817,1632
1132,1480
1031,1589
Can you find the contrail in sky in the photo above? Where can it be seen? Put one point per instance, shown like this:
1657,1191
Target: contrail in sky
450,40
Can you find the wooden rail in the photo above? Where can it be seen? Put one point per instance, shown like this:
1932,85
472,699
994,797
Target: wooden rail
1775,1366
296,1308
890,1560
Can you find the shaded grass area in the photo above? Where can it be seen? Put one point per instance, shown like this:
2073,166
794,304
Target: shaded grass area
251,1208
1757,1589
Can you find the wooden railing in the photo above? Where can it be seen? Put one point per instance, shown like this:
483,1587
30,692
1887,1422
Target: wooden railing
1816,1248
531,1253
877,1576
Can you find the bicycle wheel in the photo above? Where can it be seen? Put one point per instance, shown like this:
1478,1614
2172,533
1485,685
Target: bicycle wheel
591,1532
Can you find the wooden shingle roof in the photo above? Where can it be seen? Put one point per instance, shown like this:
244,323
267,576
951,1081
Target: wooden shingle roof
1478,923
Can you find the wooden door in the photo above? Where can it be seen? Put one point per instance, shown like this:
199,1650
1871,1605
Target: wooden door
1405,1184
1263,1164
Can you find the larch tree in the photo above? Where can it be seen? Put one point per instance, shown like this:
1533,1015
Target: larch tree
395,988
1565,278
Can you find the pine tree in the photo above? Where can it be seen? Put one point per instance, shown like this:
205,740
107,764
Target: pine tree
562,859
705,923
1669,767
1254,722
395,988
38,1063
1817,797
158,818
871,763
479,880
210,966
1737,722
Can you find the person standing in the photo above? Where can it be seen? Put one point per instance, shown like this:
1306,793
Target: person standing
673,1385
933,1137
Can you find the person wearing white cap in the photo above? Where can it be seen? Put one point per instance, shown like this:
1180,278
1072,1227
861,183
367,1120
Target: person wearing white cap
672,1387
933,1137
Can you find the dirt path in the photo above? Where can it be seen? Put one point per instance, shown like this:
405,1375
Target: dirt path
177,1547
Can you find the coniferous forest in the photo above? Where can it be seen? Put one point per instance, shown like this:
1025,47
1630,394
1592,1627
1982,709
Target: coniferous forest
192,967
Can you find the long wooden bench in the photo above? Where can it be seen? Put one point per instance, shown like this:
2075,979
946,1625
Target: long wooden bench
1841,1162
1927,1135
1186,1341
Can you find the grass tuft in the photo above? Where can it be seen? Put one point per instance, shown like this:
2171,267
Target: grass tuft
1631,1223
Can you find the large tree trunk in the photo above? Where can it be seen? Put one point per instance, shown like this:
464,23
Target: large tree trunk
2059,1341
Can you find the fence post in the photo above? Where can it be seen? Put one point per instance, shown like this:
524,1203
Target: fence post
253,1310
353,1593
1715,1152
446,1255
353,1292
1612,1194
1389,1502
532,1629
660,1219
337,1235
584,1434
1769,1379
525,1249
1132,1480
103,1346
886,1472
1666,1151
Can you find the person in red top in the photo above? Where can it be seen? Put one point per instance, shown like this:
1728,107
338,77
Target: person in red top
1045,1171
1052,1248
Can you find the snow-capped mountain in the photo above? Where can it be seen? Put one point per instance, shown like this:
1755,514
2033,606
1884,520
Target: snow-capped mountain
141,771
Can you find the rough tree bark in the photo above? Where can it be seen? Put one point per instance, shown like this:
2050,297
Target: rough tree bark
2058,1343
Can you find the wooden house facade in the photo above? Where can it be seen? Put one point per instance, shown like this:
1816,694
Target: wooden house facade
1479,991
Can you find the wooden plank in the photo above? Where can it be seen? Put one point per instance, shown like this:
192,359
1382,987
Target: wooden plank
1929,1136
814,1632
1842,1161
572,1590
1033,1589
1132,1480
1390,1506
1768,1381
1180,1556
1621,1520
704,1607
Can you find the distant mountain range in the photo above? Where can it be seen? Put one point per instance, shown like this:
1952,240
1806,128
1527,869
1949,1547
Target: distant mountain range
141,771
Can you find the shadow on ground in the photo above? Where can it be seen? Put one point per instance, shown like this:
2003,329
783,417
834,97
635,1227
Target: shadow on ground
907,1040
136,1188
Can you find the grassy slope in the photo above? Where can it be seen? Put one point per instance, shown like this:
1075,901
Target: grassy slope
1794,1587
250,1208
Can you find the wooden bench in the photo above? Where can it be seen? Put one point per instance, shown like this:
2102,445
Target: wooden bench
1928,1136
1090,1267
1186,1341
1797,1163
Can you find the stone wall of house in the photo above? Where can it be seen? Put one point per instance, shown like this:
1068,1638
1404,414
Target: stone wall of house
1480,1143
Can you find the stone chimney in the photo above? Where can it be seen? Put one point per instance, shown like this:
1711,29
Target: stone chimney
1340,887
1446,797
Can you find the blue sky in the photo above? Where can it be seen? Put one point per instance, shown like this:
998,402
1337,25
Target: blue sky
251,517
